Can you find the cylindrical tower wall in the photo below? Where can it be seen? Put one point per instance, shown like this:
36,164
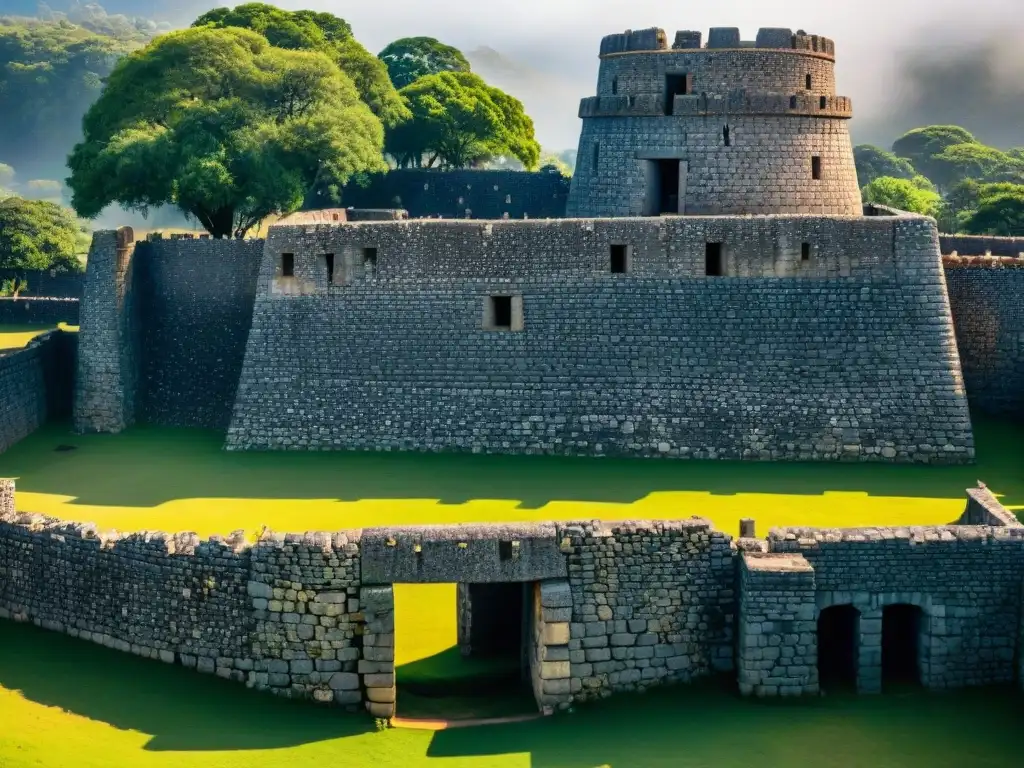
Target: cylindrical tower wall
704,131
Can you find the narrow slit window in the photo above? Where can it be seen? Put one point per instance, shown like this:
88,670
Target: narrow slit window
329,261
823,102
501,313
810,83
615,86
287,265
816,168
805,252
727,136
619,259
597,153
713,260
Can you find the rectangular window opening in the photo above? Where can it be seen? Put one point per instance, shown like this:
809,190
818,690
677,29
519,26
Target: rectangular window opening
823,103
619,260
675,85
726,134
805,252
505,551
792,102
370,259
501,313
597,153
816,168
287,265
329,260
810,83
713,260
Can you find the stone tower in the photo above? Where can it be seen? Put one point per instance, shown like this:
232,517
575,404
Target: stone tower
732,127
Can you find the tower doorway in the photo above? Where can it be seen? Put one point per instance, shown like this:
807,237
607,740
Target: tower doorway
666,187
838,636
901,645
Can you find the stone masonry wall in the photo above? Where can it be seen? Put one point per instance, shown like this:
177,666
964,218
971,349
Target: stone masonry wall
979,245
38,311
847,354
106,384
47,283
467,194
196,299
652,603
35,385
987,301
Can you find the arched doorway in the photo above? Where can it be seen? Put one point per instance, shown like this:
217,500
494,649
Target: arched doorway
901,645
838,643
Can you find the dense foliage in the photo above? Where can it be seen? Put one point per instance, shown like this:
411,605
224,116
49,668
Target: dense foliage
410,58
459,121
49,76
36,235
999,210
921,145
874,162
911,195
322,32
224,126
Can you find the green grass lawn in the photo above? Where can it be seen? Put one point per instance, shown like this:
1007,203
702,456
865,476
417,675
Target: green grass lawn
63,702
69,703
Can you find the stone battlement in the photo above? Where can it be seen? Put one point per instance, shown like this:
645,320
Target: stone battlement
737,102
720,38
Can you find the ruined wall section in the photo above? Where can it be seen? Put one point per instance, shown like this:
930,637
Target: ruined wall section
196,298
987,299
35,385
845,354
465,194
965,579
106,384
652,603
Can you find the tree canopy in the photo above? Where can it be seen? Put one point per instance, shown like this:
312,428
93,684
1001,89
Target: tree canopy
873,162
999,211
410,58
921,145
36,235
904,194
323,32
960,162
459,121
49,75
224,126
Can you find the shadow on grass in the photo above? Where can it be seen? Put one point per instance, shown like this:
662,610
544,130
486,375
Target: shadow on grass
179,708
147,466
706,725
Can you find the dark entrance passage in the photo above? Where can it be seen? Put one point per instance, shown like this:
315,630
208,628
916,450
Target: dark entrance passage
901,645
838,634
482,672
668,186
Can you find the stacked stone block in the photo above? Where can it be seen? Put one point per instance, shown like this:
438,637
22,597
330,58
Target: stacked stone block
106,385
780,358
306,641
33,385
987,300
777,639
653,603
550,654
377,667
28,310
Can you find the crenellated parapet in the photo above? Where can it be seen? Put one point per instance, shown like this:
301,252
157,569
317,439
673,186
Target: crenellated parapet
720,39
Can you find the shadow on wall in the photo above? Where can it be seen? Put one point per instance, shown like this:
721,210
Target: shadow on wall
148,466
182,710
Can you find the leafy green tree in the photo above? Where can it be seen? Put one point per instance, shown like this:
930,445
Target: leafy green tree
902,194
35,235
1000,212
49,76
921,145
410,58
873,162
974,161
459,121
312,31
225,127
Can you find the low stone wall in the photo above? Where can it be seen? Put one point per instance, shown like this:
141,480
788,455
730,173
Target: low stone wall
38,311
63,285
979,245
35,385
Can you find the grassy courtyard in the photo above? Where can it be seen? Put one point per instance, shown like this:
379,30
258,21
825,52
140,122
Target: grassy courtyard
17,336
63,702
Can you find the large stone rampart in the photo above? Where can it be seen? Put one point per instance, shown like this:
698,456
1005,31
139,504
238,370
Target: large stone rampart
987,301
38,311
196,299
35,385
810,346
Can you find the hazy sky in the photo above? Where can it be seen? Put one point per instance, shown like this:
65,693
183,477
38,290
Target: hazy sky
904,62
